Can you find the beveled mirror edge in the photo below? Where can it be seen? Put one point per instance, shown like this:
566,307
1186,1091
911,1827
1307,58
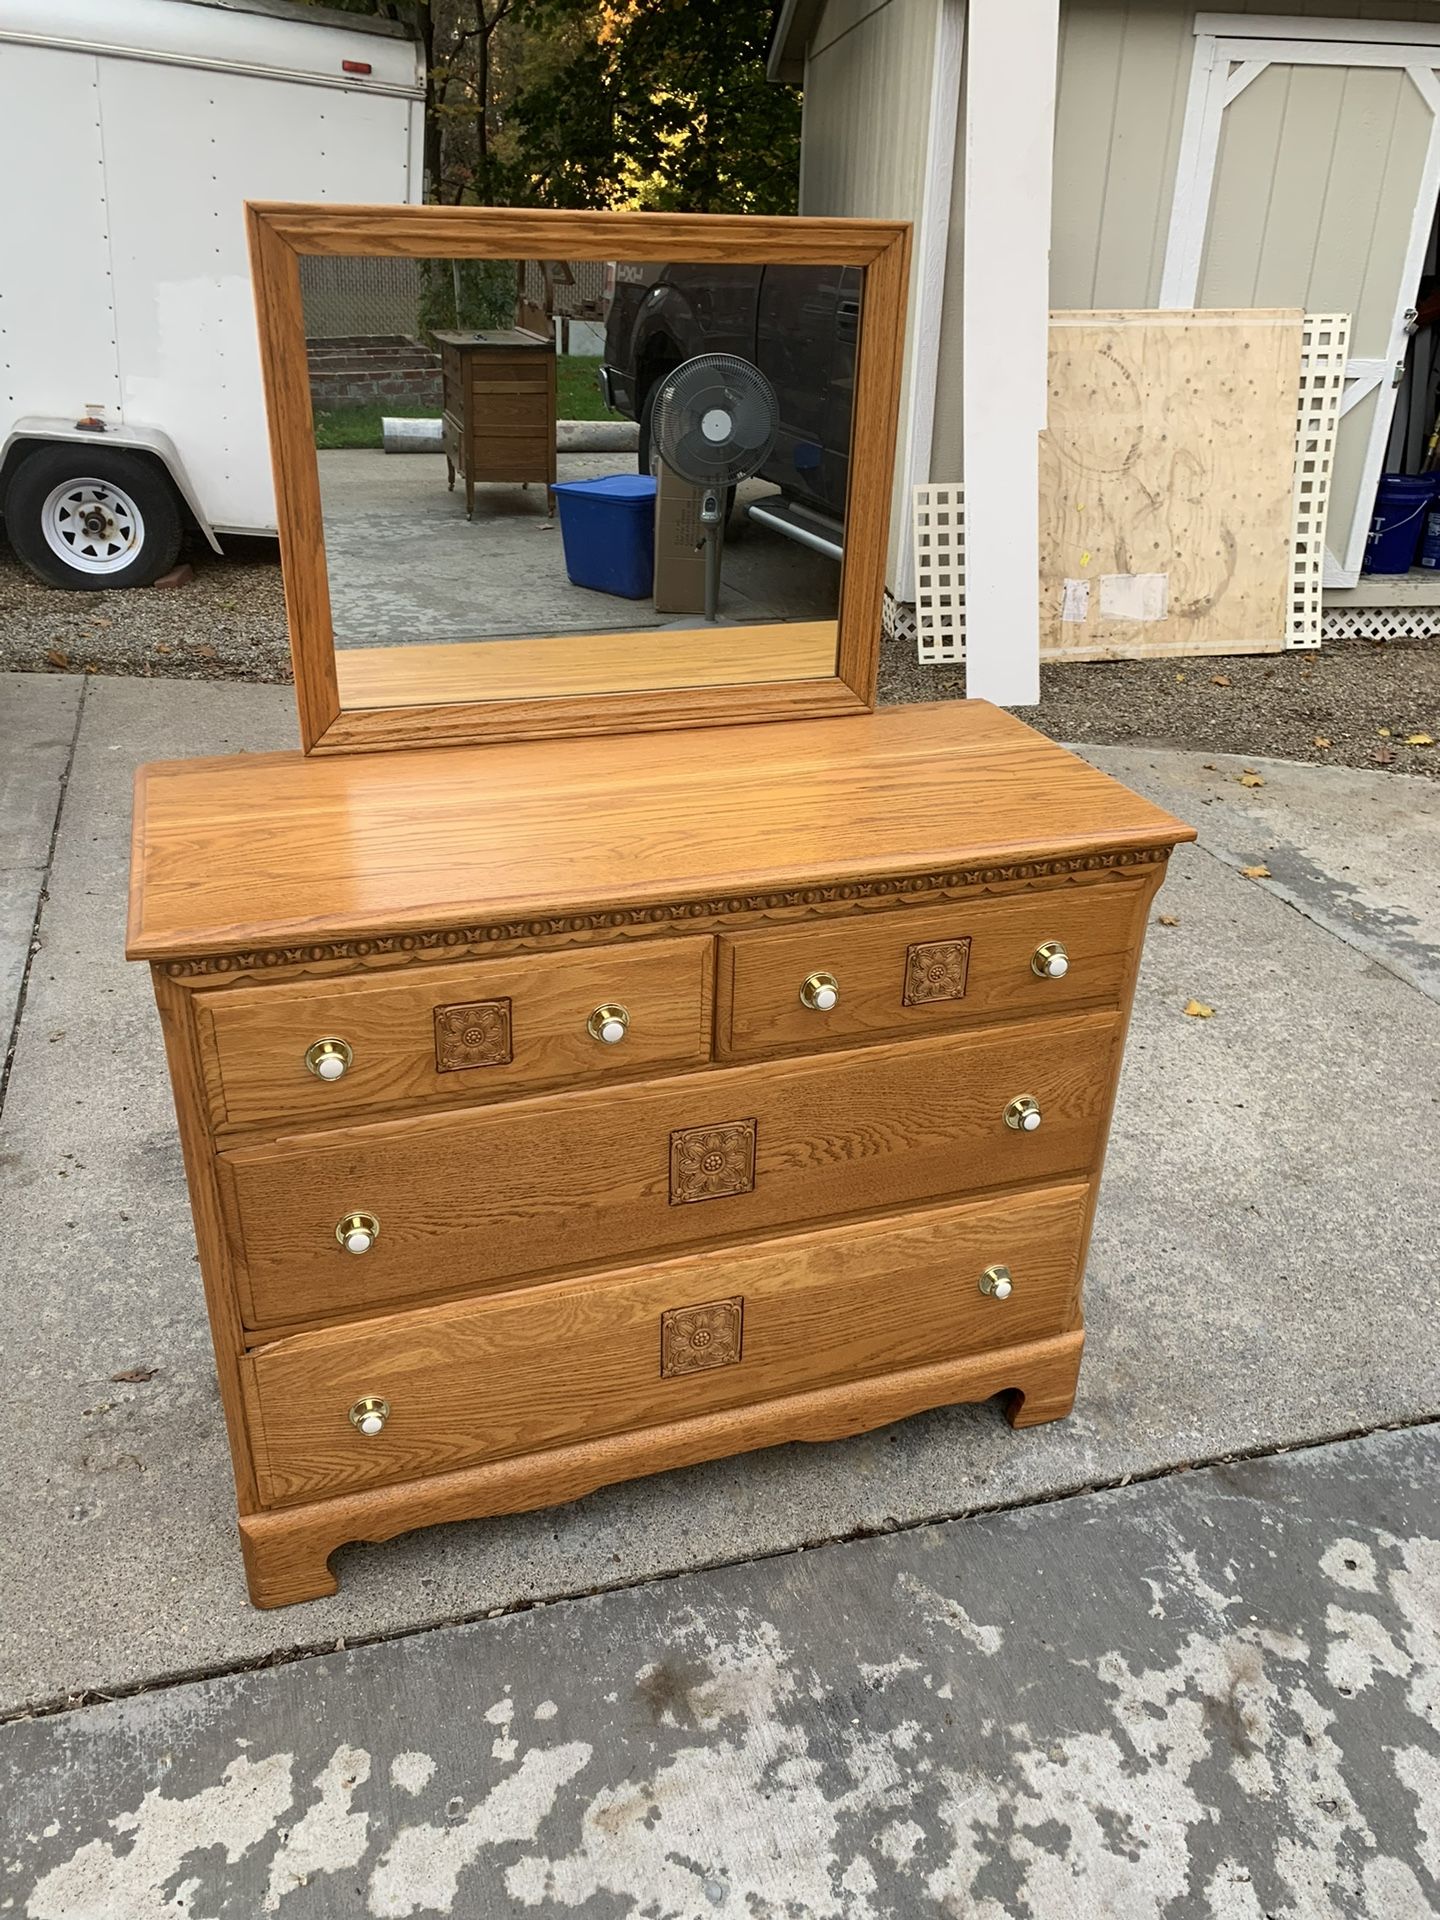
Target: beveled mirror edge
280,233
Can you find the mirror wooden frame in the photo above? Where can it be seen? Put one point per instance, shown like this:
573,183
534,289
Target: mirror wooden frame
281,235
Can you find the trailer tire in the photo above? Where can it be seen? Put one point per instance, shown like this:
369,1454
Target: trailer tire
93,518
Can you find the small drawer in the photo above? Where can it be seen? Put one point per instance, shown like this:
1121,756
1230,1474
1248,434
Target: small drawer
448,1387
479,1199
476,1031
882,975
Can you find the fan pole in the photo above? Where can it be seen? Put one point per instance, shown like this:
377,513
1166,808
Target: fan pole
710,518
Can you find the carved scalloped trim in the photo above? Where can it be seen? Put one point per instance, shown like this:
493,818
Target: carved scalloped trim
459,939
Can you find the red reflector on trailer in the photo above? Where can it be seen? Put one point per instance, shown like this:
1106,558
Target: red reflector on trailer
355,66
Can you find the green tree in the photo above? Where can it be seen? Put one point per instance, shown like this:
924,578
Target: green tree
603,103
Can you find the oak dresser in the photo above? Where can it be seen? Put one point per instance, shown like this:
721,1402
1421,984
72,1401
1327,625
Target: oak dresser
557,1114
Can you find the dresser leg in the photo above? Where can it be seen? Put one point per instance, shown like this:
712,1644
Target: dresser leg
282,1567
1048,1392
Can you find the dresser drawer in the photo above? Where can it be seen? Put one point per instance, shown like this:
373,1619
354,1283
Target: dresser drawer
477,1199
927,969
525,1371
477,1031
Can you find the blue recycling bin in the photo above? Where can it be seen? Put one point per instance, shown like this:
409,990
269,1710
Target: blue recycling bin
608,528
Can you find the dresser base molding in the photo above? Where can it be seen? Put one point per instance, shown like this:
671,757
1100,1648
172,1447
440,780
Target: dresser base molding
287,1553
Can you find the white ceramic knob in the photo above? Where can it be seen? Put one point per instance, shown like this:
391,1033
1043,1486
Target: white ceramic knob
368,1416
371,1423
609,1025
1030,1121
996,1282
820,991
328,1059
1050,960
358,1232
1023,1113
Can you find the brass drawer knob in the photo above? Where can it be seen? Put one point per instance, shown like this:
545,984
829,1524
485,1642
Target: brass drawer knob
358,1232
329,1059
608,1024
821,991
1023,1113
1050,961
997,1283
369,1415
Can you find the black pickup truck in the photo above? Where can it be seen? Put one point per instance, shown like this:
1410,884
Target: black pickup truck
799,325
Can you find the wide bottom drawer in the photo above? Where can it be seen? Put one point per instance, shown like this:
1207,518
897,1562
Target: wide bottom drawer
448,1387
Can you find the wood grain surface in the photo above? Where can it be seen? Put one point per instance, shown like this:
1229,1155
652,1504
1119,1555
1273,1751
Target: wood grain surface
760,1009
473,1200
287,1551
560,664
254,1038
552,1366
1166,483
353,847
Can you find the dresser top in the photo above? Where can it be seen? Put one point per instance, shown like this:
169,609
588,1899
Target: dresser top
265,850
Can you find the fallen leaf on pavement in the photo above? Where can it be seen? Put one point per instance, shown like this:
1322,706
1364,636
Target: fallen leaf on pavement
58,657
1219,679
1419,740
1382,756
1249,779
1384,732
1255,873
1169,920
1179,676
135,1373
1198,1010
1323,740
1209,766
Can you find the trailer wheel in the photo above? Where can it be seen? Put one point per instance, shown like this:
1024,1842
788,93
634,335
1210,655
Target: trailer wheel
92,518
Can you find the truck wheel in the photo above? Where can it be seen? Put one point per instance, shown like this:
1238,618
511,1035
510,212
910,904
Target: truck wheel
92,518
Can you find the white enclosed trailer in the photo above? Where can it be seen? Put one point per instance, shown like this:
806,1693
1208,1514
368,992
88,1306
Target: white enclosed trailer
132,132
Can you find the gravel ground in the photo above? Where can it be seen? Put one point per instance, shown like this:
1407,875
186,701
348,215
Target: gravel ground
1359,699
228,623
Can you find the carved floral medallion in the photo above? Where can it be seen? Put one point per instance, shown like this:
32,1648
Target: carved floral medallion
706,1163
936,970
694,1338
473,1035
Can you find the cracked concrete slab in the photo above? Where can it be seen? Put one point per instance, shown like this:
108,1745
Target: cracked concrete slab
1262,1273
37,728
1211,1697
1358,853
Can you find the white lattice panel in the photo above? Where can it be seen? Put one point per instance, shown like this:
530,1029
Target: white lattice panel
1324,348
1382,623
897,619
938,523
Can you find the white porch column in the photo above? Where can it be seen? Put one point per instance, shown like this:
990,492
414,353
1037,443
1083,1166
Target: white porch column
1010,48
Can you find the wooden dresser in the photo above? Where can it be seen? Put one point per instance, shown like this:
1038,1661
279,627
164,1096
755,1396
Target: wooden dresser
499,396
557,1115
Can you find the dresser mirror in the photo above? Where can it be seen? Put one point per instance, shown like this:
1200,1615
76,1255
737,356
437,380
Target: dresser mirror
635,472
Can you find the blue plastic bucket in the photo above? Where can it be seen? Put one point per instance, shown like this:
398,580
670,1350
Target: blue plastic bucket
608,527
1430,541
1401,501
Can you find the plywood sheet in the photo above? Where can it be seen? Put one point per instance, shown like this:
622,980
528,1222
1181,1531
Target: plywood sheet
1167,483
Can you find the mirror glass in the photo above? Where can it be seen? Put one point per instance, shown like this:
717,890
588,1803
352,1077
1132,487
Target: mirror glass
545,478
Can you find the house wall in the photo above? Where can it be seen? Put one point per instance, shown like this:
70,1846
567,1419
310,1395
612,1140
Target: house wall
1124,73
866,122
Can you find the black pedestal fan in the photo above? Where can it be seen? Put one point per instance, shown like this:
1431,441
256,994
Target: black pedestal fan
714,425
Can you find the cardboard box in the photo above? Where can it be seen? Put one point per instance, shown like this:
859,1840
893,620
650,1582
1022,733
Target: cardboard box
679,544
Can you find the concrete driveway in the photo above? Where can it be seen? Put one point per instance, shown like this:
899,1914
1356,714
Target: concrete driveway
406,565
1171,1691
